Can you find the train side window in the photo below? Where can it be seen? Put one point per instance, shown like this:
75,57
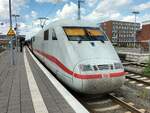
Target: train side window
54,35
46,34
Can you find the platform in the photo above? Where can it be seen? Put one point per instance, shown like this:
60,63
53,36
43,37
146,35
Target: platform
19,93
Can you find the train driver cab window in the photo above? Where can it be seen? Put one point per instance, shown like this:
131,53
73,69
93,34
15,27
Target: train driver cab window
46,34
85,34
54,35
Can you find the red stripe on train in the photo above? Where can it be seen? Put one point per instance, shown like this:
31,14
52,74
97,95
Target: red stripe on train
76,75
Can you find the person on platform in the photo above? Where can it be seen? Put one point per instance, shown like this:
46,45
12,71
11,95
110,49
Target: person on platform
21,46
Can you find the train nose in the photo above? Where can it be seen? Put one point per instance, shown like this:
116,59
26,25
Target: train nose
101,85
97,80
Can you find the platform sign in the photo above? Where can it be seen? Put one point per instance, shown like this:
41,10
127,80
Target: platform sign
11,32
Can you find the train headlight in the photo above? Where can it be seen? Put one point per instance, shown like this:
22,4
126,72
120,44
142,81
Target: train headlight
118,66
85,67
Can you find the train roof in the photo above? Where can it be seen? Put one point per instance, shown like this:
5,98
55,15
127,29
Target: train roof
71,22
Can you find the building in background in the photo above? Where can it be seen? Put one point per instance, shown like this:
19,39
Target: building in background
4,40
144,33
119,31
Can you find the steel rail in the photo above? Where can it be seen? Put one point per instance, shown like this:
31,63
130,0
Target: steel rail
138,80
133,63
124,104
142,75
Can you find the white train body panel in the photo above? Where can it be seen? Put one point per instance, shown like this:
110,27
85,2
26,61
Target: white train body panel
65,58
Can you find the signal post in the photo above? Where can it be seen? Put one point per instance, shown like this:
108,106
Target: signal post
11,35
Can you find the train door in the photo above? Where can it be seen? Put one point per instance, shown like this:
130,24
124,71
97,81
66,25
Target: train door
45,43
55,46
50,46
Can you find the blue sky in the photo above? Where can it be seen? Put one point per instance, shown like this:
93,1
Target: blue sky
92,10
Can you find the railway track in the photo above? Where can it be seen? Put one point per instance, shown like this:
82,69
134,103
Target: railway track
1,50
139,78
134,72
126,105
135,64
109,104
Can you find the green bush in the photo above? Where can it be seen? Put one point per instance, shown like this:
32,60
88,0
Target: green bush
147,69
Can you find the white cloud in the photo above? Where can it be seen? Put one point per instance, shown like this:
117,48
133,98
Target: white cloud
95,16
115,15
145,17
107,9
23,26
91,2
27,16
34,14
69,10
31,15
129,18
31,31
28,29
4,7
35,23
142,6
49,1
111,10
4,28
4,12
111,5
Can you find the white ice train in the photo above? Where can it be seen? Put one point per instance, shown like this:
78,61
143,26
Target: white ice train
81,56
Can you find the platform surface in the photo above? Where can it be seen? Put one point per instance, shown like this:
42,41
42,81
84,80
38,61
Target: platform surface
15,95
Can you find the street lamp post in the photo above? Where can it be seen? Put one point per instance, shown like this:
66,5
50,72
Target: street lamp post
10,16
135,13
16,16
12,51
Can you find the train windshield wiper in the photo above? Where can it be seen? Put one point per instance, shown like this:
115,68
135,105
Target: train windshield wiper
102,40
91,37
80,40
88,35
